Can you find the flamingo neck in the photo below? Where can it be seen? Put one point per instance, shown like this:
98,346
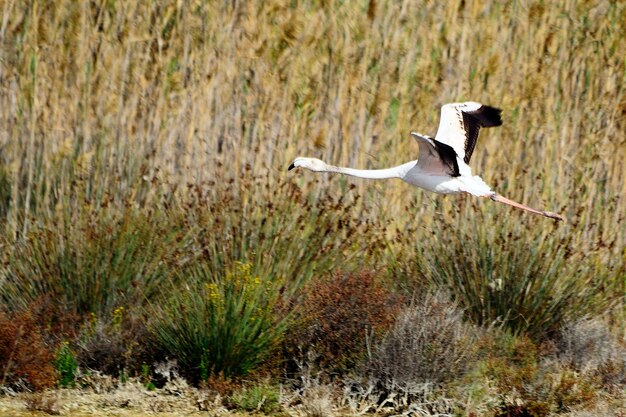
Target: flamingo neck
374,174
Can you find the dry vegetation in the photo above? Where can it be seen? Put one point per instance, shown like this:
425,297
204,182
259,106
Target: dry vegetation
143,155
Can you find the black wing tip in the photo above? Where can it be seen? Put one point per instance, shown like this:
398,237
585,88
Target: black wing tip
291,166
448,155
489,116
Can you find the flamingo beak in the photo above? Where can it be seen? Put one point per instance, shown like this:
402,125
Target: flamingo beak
292,166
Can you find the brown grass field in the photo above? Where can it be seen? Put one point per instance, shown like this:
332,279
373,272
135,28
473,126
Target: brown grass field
142,143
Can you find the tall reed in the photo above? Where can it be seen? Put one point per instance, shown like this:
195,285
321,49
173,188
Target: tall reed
117,104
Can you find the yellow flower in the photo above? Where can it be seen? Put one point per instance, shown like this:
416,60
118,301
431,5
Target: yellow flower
213,292
117,316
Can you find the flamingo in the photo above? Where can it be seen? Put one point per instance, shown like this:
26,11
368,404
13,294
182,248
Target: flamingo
443,161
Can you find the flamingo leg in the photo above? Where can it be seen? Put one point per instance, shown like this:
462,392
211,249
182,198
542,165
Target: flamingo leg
500,199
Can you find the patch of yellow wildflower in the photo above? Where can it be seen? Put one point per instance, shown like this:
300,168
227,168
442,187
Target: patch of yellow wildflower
241,289
117,316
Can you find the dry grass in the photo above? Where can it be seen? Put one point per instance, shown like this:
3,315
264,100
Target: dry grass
43,403
100,100
112,93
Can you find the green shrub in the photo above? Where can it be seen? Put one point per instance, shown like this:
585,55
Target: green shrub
512,362
225,324
67,366
525,379
260,397
501,273
146,378
92,261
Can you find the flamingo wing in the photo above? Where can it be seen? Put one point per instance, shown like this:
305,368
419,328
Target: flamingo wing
436,158
461,122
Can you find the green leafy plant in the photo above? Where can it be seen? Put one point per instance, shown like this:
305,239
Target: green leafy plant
123,376
223,324
145,376
525,383
66,366
263,398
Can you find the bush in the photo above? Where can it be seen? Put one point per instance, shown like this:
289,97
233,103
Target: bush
25,360
335,316
501,273
66,366
587,346
91,261
512,362
525,380
429,343
260,397
116,344
220,324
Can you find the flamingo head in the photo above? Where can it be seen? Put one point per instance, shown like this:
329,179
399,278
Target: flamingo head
312,164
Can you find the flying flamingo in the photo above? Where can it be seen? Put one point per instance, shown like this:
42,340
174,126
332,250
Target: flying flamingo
442,166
